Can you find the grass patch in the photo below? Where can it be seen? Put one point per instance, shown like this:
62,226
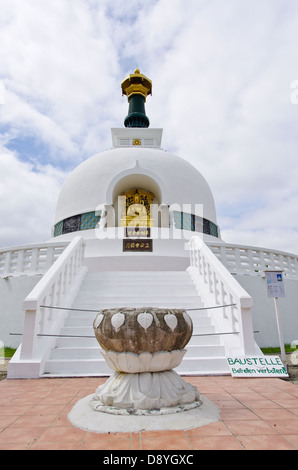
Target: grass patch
276,350
7,352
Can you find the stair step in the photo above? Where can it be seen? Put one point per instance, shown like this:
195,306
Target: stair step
98,367
144,284
204,340
166,275
195,350
118,303
203,364
77,342
77,331
87,301
152,291
78,353
139,282
74,367
93,352
154,294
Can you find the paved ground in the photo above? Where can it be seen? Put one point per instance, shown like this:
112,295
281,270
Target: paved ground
255,414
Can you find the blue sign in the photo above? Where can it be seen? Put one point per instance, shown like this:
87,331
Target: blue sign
275,285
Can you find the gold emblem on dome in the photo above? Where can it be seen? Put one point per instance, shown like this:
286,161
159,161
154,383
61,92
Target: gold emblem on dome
135,208
136,142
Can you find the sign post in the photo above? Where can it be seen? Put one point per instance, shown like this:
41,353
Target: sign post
275,289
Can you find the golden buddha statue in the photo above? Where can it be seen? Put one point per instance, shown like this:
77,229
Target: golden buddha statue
136,208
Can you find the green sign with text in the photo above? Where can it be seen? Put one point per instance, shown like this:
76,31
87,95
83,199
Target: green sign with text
257,366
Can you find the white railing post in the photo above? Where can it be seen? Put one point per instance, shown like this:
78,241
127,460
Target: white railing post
50,257
34,260
29,335
7,263
20,262
246,327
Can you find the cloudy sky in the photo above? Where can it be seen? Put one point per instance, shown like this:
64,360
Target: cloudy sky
224,91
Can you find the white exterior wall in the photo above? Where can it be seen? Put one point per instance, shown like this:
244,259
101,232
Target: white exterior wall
13,291
263,310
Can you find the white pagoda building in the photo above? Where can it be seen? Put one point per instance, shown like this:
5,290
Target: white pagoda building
136,226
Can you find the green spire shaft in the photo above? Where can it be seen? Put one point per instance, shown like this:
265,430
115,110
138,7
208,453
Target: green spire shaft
136,87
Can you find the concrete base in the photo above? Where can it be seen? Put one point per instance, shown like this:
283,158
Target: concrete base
84,417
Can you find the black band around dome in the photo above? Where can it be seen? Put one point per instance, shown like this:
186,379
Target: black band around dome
182,220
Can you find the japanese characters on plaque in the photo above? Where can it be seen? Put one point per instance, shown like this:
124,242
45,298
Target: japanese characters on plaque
137,245
140,232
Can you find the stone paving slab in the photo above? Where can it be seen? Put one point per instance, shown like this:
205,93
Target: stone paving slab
255,413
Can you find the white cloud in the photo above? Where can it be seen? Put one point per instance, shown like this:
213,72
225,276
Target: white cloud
226,107
28,200
59,64
26,119
222,75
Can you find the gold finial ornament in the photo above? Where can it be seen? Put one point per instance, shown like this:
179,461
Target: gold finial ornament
136,84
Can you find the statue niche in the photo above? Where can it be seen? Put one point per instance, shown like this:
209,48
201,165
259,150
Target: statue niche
135,208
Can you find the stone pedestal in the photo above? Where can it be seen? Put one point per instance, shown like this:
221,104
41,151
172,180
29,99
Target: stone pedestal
143,382
145,394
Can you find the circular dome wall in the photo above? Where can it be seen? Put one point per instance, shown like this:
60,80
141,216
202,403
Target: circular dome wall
137,180
175,181
101,178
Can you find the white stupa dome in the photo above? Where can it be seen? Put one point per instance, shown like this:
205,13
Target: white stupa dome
138,169
103,177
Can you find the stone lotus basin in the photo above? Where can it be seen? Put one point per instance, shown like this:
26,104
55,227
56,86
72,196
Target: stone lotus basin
142,346
142,330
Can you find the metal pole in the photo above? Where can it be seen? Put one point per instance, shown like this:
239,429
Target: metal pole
98,310
280,335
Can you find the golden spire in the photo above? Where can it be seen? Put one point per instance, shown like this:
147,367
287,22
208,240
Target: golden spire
136,84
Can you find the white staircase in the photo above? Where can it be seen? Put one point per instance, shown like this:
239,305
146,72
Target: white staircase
77,351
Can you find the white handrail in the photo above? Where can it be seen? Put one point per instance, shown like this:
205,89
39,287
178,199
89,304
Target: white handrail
29,259
252,261
218,287
57,287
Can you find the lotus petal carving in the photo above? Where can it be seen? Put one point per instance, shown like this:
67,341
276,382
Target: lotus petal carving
131,363
98,320
171,320
145,320
117,321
